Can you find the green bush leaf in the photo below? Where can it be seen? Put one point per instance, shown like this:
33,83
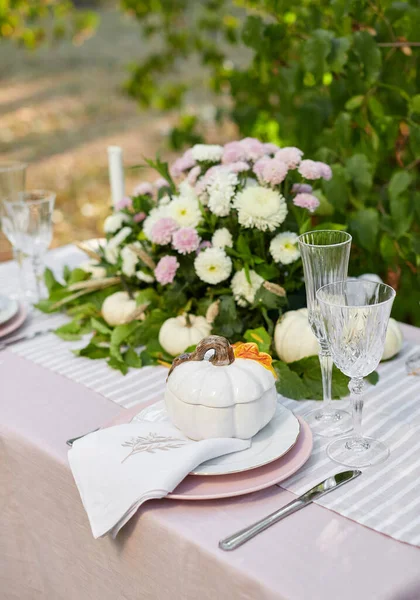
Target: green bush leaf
289,384
132,359
364,224
359,170
315,52
100,326
354,102
368,53
92,351
400,181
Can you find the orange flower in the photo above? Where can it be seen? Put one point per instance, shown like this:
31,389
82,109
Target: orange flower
250,350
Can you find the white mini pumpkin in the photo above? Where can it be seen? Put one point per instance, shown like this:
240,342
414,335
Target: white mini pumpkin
220,397
117,308
179,333
393,341
93,267
293,337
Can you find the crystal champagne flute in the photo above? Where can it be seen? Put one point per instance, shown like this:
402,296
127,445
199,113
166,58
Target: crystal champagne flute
325,257
29,229
355,316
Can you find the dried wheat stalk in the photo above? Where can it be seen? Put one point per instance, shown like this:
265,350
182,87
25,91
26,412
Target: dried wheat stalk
142,254
274,288
94,284
84,248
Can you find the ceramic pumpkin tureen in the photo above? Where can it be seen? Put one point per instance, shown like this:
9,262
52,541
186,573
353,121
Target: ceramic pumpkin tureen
221,390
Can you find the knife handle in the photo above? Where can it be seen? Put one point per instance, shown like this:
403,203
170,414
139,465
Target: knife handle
240,537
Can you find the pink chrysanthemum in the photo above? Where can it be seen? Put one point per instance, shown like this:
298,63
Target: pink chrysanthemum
309,169
203,246
166,269
254,149
193,175
125,202
290,155
326,172
306,201
139,217
259,166
239,167
163,230
160,183
274,171
301,188
185,240
185,162
143,189
270,148
233,152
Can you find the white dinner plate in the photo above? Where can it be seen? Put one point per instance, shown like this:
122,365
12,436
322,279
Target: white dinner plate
269,444
8,308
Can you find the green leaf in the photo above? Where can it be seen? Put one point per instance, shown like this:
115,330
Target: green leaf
228,322
359,170
88,309
369,55
336,189
315,52
289,384
364,224
77,275
259,336
132,359
387,249
51,282
100,326
268,271
400,181
339,54
73,330
122,332
92,351
373,378
415,103
354,102
268,300
148,295
117,364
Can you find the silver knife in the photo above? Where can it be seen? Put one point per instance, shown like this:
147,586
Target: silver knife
332,483
23,337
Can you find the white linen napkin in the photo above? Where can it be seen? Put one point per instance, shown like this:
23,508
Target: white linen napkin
119,468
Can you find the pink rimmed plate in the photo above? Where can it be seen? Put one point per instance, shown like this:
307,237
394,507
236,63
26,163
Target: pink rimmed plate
196,487
14,322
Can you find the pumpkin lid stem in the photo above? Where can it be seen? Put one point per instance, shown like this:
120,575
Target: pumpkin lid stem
223,352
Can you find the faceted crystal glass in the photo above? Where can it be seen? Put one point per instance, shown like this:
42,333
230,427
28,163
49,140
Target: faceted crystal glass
28,226
355,315
325,256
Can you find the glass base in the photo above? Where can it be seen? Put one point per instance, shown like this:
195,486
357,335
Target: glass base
360,452
329,423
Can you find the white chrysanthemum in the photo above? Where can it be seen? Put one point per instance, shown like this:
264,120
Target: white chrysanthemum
112,247
213,265
153,217
284,247
186,190
222,238
207,153
115,222
142,276
185,211
243,291
93,267
164,201
260,207
221,189
129,259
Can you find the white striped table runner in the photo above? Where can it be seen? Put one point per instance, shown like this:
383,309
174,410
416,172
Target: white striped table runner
386,498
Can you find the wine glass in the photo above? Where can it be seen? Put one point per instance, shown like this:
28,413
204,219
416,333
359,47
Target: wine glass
325,256
355,316
12,183
28,225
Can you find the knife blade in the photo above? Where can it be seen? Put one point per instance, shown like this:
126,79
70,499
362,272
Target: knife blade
244,535
23,337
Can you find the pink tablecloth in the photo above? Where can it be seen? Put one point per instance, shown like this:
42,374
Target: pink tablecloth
169,550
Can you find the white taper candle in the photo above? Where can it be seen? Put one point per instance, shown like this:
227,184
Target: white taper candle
116,173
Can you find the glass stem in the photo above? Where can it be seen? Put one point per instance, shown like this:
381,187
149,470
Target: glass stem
38,268
356,388
326,363
18,258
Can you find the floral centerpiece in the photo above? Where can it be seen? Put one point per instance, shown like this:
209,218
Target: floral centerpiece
209,247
